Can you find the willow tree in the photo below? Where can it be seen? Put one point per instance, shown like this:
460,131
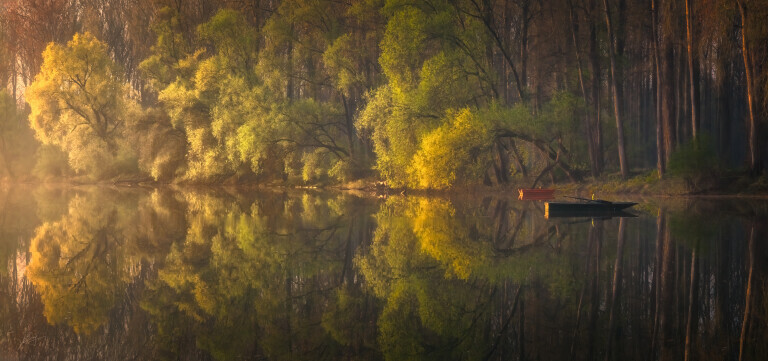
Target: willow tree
80,103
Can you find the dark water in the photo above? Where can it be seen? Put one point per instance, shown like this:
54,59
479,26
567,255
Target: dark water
100,273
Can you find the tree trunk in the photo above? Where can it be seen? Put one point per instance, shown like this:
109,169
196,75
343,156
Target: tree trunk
660,154
501,163
594,63
668,107
691,76
525,24
724,89
755,165
591,144
614,89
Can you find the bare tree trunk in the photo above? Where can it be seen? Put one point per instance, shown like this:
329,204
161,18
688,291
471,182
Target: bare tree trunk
691,76
525,24
594,62
501,163
754,151
724,89
591,146
660,158
668,105
614,89
486,16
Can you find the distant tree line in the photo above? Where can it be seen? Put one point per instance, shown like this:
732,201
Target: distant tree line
424,93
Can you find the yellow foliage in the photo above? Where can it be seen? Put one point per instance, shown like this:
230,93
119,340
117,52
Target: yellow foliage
80,103
458,148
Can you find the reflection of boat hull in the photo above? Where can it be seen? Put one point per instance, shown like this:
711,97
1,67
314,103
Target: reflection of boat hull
587,214
572,209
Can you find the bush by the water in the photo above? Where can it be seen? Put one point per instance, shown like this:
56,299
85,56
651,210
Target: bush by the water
695,162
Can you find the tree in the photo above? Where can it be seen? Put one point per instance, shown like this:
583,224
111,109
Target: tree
17,145
80,103
615,92
755,150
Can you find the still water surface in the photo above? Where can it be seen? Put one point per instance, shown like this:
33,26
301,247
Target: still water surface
98,273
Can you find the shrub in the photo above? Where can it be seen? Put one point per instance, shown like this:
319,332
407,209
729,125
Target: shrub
695,162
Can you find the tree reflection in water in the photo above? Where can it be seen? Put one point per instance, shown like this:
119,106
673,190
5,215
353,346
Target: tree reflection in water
106,273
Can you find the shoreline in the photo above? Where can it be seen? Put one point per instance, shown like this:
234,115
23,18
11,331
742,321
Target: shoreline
637,186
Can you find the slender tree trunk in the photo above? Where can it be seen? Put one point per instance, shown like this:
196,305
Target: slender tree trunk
755,164
668,105
501,163
486,16
525,15
614,89
660,153
591,146
691,76
289,86
594,62
349,106
724,89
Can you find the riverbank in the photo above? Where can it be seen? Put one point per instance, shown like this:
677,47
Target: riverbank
645,184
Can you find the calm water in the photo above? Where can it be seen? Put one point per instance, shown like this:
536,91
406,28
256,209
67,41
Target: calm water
99,273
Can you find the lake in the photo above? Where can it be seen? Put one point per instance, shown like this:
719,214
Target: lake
108,273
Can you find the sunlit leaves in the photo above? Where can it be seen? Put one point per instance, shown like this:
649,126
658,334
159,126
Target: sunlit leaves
457,149
80,103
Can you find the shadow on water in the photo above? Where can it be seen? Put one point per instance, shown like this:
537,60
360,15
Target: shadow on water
105,273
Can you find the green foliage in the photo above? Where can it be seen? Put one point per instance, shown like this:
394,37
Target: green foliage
694,161
229,100
80,103
211,102
166,63
457,150
17,143
51,162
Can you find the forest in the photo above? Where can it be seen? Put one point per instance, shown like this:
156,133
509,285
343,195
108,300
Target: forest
421,94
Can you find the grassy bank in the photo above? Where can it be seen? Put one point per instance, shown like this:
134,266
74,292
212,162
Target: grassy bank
647,183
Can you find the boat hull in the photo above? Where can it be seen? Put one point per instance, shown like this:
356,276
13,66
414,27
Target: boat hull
536,194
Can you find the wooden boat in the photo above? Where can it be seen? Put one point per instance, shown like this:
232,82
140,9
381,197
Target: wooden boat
536,194
588,208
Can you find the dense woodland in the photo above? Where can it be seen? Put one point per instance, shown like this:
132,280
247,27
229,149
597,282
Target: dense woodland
421,93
